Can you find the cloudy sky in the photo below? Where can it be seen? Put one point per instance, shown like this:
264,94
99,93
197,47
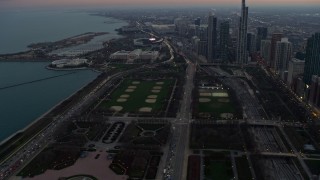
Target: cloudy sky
50,3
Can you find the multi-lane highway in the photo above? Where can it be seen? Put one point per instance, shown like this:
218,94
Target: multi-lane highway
25,153
176,164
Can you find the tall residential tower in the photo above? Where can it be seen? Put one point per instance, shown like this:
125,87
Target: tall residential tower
212,38
312,63
242,54
224,41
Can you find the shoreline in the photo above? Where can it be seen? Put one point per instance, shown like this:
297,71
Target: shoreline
67,69
3,58
45,113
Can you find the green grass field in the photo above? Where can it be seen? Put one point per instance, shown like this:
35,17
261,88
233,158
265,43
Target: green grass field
243,168
314,166
217,168
139,95
217,105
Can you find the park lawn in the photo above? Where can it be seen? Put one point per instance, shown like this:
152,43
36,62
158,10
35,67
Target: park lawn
243,168
138,97
314,166
217,170
216,107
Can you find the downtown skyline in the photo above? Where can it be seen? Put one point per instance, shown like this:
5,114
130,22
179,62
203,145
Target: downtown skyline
135,3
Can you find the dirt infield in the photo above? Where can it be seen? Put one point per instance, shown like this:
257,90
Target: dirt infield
152,96
124,96
155,91
116,108
220,94
205,94
204,100
132,87
157,87
129,90
145,109
150,100
135,82
122,100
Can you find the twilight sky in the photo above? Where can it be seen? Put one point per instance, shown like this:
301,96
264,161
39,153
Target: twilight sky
49,3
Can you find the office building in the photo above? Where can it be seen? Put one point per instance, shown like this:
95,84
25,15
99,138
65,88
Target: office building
242,55
197,21
274,39
262,34
266,50
312,62
251,43
212,37
295,68
224,40
283,54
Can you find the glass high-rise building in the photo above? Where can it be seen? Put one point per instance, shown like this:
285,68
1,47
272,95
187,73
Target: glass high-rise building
283,55
212,38
224,41
312,62
242,54
262,34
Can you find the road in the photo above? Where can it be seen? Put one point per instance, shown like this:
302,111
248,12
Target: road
19,159
176,165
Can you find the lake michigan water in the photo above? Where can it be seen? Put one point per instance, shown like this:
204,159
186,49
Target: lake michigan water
21,105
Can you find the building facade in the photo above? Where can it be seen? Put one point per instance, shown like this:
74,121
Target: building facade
283,55
312,62
266,50
212,38
262,34
274,39
251,43
224,40
295,68
242,54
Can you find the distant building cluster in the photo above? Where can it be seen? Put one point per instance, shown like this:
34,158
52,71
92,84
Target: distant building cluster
135,56
69,63
241,41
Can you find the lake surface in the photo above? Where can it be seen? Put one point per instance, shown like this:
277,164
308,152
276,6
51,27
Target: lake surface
21,28
21,105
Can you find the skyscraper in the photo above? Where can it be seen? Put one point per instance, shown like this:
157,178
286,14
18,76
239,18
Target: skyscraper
295,68
212,37
275,38
203,43
266,50
262,34
251,43
197,21
283,55
312,62
224,40
242,55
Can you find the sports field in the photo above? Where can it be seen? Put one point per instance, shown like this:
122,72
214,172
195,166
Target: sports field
139,96
215,102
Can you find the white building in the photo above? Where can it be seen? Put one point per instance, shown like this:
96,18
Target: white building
283,55
62,63
135,55
120,55
164,29
295,68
